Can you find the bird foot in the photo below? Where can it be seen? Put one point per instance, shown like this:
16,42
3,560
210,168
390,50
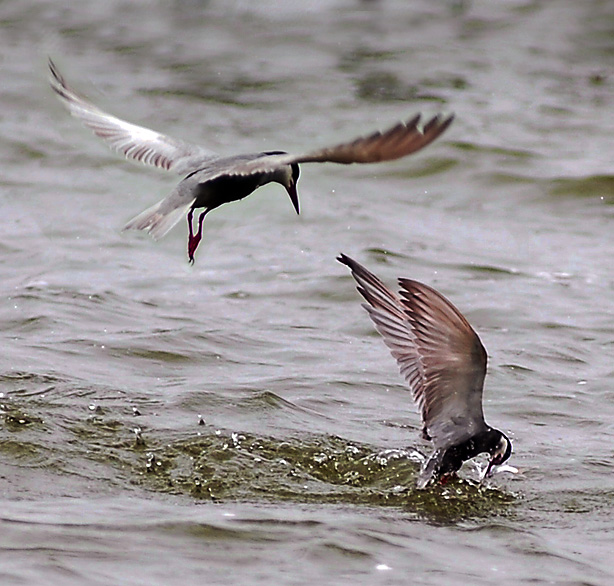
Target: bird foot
194,239
193,242
447,478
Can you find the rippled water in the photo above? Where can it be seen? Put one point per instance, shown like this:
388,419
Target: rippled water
239,421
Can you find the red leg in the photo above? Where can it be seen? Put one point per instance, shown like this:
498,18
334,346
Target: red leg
447,478
194,240
192,244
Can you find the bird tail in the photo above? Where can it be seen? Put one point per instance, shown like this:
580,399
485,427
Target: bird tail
156,220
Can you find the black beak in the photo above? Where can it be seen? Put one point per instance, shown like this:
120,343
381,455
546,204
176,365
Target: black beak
293,196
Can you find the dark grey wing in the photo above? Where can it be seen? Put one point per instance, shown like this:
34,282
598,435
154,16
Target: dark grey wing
439,354
134,142
388,315
396,142
399,141
454,363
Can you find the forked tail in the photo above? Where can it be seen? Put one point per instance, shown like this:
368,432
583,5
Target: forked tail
156,221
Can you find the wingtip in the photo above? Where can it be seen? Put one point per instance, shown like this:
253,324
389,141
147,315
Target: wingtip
56,80
347,261
439,121
361,274
53,70
438,124
447,121
413,121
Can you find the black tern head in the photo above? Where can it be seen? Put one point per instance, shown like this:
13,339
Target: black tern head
444,363
288,178
211,180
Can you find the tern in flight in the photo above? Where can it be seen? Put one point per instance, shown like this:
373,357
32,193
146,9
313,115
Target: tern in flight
210,180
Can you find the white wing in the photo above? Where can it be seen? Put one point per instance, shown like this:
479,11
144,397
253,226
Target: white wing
134,142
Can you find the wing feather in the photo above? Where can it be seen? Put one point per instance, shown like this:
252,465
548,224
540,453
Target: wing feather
396,142
437,351
134,142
